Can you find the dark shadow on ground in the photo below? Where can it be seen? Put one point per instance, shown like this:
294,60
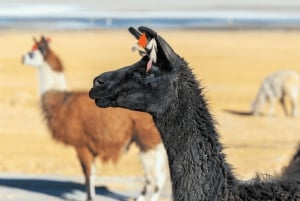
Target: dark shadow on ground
57,188
240,113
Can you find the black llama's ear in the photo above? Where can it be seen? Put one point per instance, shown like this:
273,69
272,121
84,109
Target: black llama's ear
134,32
167,52
137,34
164,51
150,33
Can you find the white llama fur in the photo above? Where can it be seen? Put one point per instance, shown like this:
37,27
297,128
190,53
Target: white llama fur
48,79
278,86
155,170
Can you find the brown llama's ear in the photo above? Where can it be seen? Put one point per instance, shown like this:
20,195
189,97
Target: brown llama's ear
35,46
43,46
34,39
45,40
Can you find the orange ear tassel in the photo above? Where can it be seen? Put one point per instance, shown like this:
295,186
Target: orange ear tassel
143,40
34,47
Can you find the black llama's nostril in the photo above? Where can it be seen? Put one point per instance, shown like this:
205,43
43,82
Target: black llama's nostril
98,83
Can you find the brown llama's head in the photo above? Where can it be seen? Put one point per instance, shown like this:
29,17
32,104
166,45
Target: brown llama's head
149,85
41,53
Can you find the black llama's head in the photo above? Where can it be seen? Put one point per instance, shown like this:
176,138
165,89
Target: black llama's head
149,85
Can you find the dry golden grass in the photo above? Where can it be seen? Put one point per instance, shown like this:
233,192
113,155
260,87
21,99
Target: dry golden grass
230,65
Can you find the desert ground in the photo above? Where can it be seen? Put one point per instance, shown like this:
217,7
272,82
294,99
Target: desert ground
229,64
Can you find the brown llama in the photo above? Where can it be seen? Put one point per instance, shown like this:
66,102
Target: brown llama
73,119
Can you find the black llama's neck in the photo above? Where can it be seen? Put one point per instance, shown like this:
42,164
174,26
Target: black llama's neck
197,164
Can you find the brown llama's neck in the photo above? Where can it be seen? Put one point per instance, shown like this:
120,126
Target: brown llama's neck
54,61
52,101
54,105
51,74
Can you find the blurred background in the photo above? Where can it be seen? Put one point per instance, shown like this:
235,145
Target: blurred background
80,14
231,45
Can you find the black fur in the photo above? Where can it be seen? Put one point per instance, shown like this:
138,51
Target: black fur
170,92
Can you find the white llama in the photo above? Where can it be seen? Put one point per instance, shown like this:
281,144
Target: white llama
281,85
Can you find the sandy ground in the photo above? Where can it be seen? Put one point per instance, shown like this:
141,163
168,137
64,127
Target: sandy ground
230,65
15,187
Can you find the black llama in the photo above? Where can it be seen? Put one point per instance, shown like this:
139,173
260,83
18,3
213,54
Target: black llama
162,84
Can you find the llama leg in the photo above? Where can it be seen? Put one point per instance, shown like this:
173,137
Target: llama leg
294,103
87,163
272,106
142,196
155,166
283,104
294,108
148,160
160,172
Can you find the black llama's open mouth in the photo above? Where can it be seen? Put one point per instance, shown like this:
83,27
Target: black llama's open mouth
103,102
100,99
